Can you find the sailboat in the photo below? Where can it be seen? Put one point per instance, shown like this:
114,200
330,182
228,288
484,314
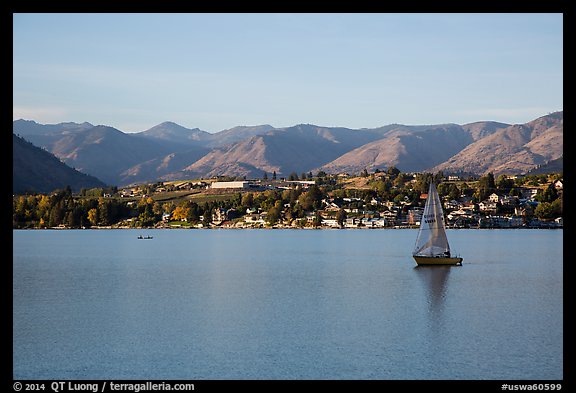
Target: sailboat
432,246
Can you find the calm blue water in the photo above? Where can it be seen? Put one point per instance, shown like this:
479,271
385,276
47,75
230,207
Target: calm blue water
285,304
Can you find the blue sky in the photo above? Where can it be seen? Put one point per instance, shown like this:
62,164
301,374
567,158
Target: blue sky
217,71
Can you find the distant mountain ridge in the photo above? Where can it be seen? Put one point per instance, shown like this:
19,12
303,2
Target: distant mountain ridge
514,149
405,148
36,170
30,127
293,149
172,132
171,151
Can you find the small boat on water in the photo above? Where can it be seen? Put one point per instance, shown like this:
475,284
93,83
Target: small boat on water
432,246
145,237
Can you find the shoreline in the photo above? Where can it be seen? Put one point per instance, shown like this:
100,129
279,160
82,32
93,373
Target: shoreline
266,228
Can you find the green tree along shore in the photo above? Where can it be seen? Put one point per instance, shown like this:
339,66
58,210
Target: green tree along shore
349,198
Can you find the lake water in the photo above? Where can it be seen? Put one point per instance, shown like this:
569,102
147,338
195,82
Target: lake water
285,304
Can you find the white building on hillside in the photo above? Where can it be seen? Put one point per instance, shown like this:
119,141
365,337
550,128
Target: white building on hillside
243,185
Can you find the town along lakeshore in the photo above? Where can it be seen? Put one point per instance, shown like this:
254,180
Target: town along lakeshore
388,199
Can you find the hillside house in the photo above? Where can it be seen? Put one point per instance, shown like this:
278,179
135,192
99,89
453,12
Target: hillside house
531,193
558,185
525,208
332,208
488,207
452,204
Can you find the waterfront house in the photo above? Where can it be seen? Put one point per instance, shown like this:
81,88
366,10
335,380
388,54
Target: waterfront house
375,222
415,215
219,215
254,218
501,222
353,222
330,222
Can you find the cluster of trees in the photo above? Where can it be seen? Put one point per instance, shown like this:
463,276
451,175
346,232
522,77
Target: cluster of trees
287,204
62,208
95,208
92,209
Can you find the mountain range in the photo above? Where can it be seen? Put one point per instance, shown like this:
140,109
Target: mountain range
34,169
169,151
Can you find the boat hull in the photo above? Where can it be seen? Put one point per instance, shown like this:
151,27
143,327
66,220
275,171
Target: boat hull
421,260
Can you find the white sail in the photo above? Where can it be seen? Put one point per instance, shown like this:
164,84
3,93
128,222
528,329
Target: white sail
432,240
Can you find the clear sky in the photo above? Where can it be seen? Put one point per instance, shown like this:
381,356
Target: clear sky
217,71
